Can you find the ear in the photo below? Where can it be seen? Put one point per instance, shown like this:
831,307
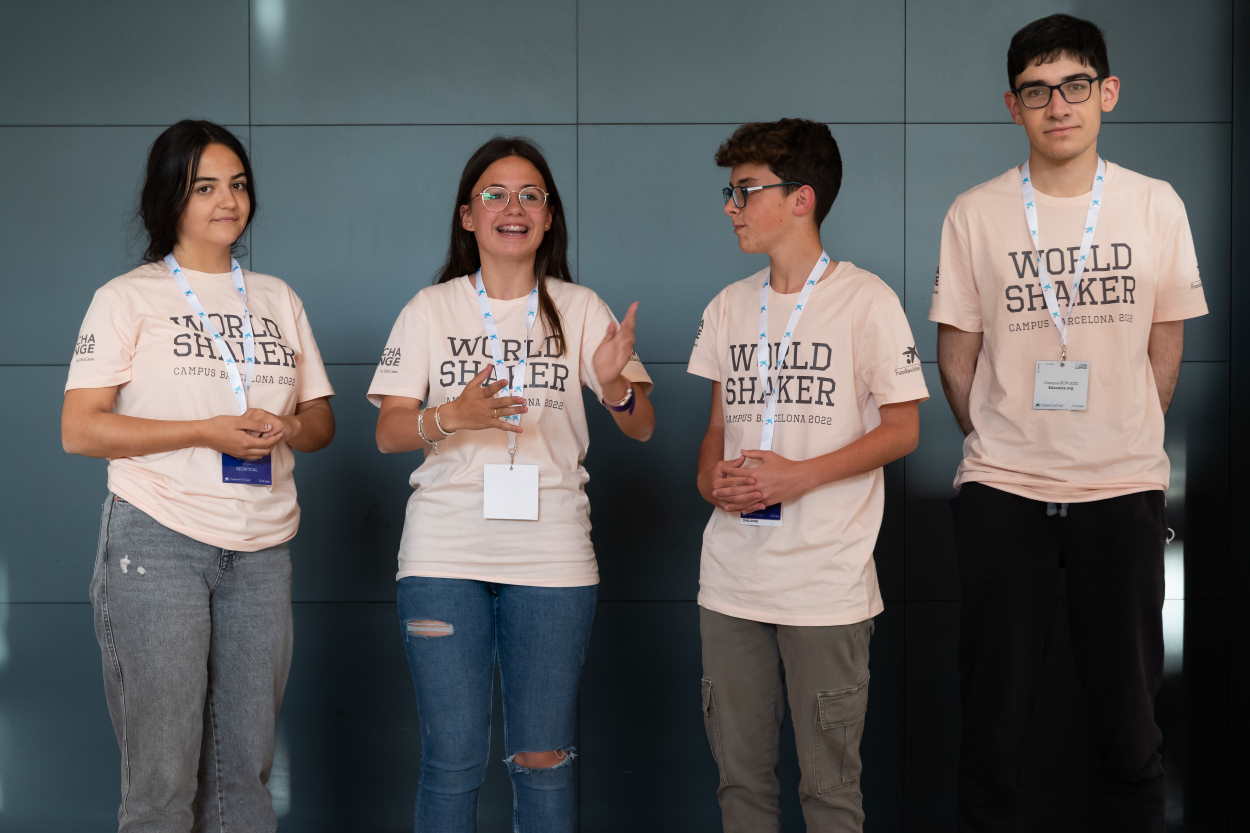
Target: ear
804,201
1013,106
1109,94
466,219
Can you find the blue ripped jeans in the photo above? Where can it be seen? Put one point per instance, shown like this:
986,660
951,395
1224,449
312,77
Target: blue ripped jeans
454,632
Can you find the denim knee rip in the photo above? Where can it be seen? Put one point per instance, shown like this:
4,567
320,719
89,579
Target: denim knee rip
428,628
840,716
568,752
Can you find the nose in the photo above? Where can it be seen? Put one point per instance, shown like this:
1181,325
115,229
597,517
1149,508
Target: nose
730,209
1058,106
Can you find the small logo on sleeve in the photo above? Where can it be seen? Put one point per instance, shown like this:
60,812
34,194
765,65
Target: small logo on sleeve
937,279
391,357
912,355
698,333
84,348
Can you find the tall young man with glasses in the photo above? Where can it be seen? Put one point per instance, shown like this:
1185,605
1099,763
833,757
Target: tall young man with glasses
815,387
1061,293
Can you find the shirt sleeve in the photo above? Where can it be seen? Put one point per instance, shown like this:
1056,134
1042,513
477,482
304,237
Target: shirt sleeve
404,368
311,381
703,355
1179,294
887,362
955,298
598,316
104,352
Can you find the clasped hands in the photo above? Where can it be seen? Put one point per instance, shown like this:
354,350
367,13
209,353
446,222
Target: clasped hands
755,480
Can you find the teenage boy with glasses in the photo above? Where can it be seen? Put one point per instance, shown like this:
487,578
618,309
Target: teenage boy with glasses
1061,292
815,387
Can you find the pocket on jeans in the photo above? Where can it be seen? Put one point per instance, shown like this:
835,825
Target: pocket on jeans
840,721
711,723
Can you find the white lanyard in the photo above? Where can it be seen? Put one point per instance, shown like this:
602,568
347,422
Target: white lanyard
763,367
1087,238
239,383
517,387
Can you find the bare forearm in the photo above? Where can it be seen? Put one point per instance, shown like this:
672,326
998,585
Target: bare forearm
640,424
711,451
314,423
883,444
958,352
1167,344
397,431
115,435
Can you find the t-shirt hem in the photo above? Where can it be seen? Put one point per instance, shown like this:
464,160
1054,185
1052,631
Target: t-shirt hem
107,382
1069,493
158,514
585,580
785,618
957,323
316,394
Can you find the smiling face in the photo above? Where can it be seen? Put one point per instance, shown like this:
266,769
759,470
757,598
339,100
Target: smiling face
1061,131
516,231
219,204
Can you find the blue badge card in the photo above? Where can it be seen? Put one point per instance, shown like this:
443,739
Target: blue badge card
768,516
252,472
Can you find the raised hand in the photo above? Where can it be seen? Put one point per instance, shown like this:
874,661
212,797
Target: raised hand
477,407
616,348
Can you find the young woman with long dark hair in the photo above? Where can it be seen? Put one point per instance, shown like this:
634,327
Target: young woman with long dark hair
196,380
483,371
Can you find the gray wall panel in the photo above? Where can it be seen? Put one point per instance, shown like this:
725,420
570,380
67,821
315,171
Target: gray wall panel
358,218
1138,33
379,62
140,62
654,229
736,61
58,757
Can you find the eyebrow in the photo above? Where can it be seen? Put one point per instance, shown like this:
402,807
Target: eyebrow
526,185
239,175
746,180
1080,76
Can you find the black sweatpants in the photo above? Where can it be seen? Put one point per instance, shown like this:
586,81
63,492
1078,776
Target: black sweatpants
1011,550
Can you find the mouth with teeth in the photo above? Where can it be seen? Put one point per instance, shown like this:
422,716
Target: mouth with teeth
514,230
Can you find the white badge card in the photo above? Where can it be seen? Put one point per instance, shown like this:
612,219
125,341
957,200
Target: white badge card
1061,386
768,516
510,492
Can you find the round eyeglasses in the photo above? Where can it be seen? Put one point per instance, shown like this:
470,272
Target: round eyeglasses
1036,96
496,197
739,193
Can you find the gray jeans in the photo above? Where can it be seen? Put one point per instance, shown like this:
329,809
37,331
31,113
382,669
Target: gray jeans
196,646
750,669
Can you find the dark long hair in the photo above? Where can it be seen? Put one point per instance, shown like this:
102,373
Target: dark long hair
173,163
552,258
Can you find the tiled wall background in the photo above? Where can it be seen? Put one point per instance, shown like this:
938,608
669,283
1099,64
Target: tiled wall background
359,117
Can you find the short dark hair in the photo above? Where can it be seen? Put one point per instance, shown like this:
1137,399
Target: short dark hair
173,162
794,149
1045,40
552,257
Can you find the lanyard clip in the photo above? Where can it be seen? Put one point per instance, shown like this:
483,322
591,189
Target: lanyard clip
1063,352
511,457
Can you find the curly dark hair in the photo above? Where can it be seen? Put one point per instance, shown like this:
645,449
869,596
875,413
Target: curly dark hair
1045,40
794,149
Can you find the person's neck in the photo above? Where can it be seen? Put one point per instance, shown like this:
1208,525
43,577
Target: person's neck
792,262
202,257
507,278
1064,178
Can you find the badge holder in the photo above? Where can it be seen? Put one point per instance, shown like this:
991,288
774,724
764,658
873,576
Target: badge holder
768,516
510,492
251,472
1061,385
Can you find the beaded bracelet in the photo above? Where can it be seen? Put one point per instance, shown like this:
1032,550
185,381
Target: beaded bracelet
626,404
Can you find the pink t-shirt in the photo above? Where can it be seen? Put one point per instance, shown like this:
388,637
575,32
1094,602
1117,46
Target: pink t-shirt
852,352
1141,269
436,347
141,335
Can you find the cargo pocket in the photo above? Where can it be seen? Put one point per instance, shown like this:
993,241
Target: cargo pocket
711,725
840,721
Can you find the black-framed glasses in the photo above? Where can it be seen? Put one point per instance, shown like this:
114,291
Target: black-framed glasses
496,197
738,193
1076,91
